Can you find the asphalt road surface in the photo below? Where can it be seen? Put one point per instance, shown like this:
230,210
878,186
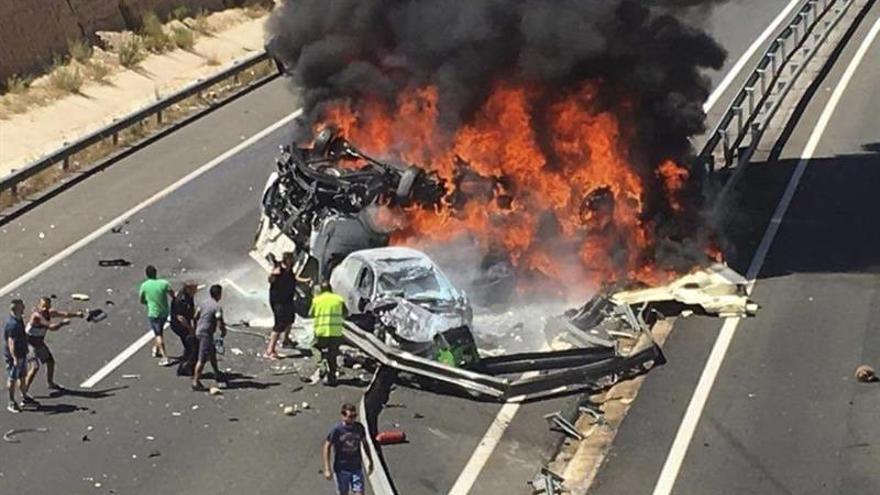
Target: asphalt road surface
785,415
149,433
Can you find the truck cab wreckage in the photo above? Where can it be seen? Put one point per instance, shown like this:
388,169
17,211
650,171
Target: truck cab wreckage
321,202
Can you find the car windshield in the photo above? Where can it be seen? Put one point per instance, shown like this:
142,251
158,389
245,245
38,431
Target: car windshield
416,279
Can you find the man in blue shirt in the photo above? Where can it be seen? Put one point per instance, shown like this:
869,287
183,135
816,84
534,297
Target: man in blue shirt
346,439
15,349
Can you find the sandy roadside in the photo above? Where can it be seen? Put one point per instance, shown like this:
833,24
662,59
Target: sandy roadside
27,136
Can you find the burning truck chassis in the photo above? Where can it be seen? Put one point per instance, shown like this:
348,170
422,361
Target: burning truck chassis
325,202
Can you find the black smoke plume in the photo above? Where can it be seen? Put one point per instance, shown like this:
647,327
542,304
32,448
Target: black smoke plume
355,48
642,52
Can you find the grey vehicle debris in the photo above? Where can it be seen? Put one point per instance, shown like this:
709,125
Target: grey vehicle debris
321,202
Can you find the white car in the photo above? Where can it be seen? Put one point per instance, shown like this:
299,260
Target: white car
403,297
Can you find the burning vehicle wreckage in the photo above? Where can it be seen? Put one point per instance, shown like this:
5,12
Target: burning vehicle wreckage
322,203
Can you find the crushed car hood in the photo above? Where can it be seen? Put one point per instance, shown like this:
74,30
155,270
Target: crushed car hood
416,323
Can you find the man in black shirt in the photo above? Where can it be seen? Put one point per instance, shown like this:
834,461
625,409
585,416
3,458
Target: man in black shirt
183,324
282,290
15,349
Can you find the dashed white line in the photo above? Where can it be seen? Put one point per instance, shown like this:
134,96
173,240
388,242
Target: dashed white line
236,287
142,340
117,361
669,473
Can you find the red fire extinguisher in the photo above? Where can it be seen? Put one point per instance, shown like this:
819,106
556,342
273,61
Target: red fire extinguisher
390,437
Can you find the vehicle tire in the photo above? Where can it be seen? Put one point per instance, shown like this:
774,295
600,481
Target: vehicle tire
405,185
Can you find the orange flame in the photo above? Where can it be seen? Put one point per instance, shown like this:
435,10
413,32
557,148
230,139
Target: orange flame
674,179
555,179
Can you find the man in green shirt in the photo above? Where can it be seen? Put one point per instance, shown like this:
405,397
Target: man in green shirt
155,293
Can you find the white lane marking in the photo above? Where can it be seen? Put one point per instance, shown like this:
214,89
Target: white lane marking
11,286
142,341
475,464
669,473
236,287
117,361
744,59
484,450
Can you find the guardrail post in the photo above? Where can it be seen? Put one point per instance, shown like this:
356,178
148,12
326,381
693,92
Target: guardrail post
756,134
772,57
750,92
738,111
781,43
65,165
115,138
159,117
725,147
762,75
796,32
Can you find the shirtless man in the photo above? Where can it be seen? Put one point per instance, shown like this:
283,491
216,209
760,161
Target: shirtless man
39,324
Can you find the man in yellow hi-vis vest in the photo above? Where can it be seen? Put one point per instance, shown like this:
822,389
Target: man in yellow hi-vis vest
328,311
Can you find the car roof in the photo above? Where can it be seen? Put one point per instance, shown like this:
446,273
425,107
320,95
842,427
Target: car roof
375,256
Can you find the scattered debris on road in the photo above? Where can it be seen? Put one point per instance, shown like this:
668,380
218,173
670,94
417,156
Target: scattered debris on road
10,436
80,297
547,482
866,374
560,424
390,437
114,262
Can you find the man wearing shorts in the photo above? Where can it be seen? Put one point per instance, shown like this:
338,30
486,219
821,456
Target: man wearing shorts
345,440
15,349
38,326
209,320
154,293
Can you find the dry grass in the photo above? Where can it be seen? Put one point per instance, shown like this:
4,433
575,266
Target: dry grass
180,13
98,71
80,50
255,10
200,23
16,85
66,78
155,38
131,52
183,38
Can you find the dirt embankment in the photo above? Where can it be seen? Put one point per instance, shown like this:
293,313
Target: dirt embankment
34,32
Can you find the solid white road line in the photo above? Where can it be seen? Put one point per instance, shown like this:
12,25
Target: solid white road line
50,262
744,59
484,450
674,459
492,438
118,360
236,287
42,267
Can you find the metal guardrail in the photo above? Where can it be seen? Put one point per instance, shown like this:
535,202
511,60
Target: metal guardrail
371,405
756,103
62,156
545,373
